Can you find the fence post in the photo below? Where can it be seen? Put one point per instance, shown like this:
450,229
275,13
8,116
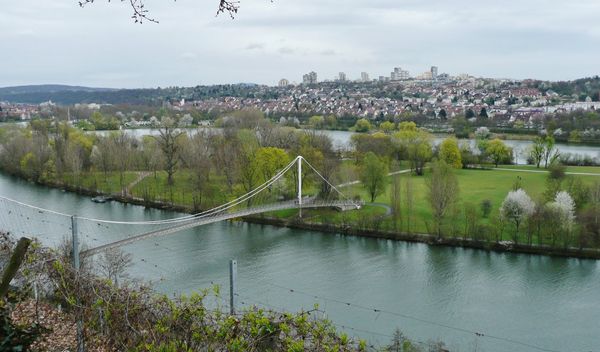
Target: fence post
76,266
232,286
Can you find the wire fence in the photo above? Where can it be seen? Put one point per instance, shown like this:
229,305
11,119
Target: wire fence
155,260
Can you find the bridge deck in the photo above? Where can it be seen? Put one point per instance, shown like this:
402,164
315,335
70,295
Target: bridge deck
220,216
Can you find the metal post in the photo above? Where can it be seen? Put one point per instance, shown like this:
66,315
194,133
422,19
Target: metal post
232,286
76,266
300,184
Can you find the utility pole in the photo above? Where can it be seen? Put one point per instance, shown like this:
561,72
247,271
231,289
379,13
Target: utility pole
232,286
76,266
300,184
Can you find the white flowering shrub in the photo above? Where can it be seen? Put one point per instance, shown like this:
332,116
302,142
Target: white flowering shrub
517,206
482,133
564,205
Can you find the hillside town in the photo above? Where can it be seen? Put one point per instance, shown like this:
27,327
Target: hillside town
436,97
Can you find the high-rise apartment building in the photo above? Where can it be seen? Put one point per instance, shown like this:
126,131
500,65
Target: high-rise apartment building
364,77
434,72
310,78
399,74
342,77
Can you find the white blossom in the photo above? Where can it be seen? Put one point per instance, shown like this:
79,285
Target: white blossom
517,206
482,132
565,207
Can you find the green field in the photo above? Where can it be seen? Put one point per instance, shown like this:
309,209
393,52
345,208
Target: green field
476,185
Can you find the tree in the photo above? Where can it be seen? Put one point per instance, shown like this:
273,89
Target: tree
498,152
378,143
168,142
316,122
387,126
249,173
362,125
114,264
197,158
414,145
408,202
564,207
536,153
469,113
554,180
122,154
450,153
486,208
551,154
373,173
483,113
442,192
482,133
442,114
517,207
140,13
396,202
270,160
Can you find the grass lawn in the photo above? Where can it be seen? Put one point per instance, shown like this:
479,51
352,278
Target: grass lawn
106,183
475,186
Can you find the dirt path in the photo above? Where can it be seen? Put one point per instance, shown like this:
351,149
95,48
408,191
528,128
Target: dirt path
546,171
351,183
141,175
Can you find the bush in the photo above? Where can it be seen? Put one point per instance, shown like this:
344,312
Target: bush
486,208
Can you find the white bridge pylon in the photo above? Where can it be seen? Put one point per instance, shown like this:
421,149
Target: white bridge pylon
226,211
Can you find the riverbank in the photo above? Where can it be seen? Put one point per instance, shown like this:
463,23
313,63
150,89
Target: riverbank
296,223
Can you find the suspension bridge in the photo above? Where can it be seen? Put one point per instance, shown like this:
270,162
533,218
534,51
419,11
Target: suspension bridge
128,232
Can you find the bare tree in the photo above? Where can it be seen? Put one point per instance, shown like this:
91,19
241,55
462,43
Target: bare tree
114,264
396,202
409,203
167,141
197,158
122,147
442,187
141,14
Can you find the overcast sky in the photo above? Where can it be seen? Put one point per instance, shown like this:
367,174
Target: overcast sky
56,41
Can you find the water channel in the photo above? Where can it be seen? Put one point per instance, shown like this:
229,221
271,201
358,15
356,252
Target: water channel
548,302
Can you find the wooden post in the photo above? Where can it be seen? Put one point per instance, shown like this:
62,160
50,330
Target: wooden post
13,266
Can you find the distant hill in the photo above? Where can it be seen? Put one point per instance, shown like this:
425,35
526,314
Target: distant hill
64,94
49,88
68,95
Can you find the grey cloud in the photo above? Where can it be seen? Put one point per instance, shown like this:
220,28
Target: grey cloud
286,51
255,46
58,42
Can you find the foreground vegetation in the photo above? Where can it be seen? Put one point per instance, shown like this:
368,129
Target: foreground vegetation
131,317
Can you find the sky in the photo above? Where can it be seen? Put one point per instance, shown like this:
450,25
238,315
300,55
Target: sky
56,41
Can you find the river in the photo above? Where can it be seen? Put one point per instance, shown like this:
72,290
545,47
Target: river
544,301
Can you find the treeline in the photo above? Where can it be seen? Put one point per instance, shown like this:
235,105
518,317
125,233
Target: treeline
580,88
205,168
213,164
